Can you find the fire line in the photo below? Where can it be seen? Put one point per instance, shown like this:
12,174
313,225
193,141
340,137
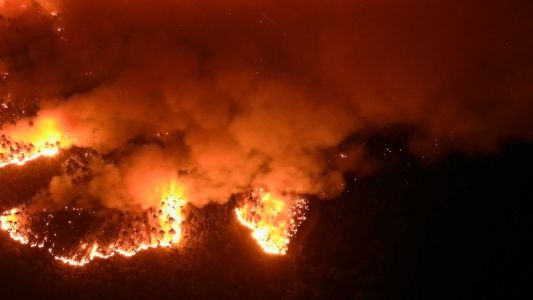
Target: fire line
273,220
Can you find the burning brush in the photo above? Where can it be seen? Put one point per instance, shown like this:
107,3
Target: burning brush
273,220
75,235
45,136
105,232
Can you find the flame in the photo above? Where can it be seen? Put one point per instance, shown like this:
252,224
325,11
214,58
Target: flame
161,227
273,220
161,230
15,7
171,216
11,222
19,145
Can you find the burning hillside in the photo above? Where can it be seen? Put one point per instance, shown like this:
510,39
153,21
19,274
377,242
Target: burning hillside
116,233
273,220
165,105
104,232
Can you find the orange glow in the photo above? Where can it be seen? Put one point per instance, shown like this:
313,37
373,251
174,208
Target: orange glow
160,229
11,222
171,217
19,145
273,220
15,7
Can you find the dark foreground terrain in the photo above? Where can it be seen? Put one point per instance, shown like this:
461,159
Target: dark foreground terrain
457,228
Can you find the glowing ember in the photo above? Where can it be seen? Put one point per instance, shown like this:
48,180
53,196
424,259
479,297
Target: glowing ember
21,145
156,227
273,220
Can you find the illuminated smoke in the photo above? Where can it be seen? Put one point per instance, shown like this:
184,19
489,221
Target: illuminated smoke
227,96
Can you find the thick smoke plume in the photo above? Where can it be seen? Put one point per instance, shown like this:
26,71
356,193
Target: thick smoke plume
226,95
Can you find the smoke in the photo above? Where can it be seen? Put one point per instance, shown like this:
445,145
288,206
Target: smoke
222,96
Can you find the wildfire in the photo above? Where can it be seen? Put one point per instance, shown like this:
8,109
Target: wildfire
157,227
273,220
17,6
124,235
45,136
11,222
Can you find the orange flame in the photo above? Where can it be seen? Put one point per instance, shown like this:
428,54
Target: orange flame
273,220
11,223
15,7
45,138
19,145
162,231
